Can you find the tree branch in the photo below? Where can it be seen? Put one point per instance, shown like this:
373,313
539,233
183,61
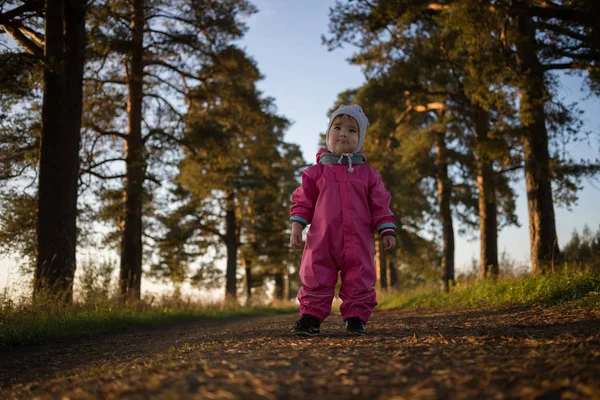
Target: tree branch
563,14
173,17
430,107
586,57
173,68
104,81
211,230
33,5
152,179
564,31
101,131
510,169
36,37
29,45
97,175
171,106
438,7
106,162
571,65
402,116
169,84
176,39
543,3
7,176
160,132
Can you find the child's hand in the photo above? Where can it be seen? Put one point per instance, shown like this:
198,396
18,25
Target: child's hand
389,242
296,236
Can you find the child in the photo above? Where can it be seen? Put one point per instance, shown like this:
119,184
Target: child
344,201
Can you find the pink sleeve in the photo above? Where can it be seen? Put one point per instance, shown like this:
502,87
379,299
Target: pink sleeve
379,202
304,198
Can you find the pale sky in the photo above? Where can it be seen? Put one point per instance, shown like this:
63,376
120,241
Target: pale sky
305,79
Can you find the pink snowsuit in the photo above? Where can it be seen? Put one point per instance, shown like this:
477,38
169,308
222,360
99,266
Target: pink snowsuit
343,209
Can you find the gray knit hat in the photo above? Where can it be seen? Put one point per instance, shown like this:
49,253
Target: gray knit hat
356,112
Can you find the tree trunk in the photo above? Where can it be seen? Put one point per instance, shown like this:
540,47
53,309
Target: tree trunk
131,244
286,282
393,273
488,224
380,264
64,54
532,92
280,283
444,187
248,269
232,245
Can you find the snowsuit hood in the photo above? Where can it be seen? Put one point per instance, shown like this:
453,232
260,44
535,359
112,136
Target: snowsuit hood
355,111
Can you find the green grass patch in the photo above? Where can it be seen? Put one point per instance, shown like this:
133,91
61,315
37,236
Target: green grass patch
32,324
550,289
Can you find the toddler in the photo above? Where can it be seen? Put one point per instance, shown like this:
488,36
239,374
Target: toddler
344,201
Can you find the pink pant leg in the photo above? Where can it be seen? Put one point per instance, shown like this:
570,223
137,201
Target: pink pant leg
317,290
322,256
357,292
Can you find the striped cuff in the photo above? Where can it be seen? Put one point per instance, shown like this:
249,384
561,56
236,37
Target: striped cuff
387,229
387,232
301,220
386,226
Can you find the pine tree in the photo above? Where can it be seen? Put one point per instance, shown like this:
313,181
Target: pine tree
431,82
161,47
478,42
62,49
236,166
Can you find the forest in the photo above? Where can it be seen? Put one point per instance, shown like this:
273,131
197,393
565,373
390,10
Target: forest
137,127
139,131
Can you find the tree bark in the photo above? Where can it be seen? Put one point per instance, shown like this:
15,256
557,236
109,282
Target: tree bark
393,275
444,188
532,92
131,244
286,282
248,269
64,54
488,224
381,265
231,244
280,285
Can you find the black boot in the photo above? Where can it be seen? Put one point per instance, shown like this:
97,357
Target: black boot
307,325
355,326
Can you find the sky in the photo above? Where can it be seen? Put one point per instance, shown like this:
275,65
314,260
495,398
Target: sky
305,79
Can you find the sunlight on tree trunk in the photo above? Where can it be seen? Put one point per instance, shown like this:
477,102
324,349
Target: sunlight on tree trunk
444,188
131,245
231,244
488,226
394,283
248,269
542,226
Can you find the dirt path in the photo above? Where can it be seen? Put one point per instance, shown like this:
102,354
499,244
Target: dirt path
530,353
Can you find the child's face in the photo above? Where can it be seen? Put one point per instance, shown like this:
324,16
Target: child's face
343,134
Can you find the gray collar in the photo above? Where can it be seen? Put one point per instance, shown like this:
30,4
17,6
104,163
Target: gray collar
344,159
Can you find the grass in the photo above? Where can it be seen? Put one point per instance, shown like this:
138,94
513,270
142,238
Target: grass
32,324
545,290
